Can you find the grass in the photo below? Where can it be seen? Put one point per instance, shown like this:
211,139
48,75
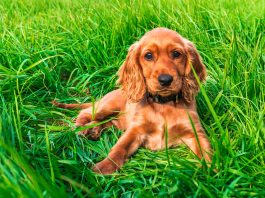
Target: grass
71,50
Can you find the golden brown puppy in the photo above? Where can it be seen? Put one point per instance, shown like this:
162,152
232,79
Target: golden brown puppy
157,95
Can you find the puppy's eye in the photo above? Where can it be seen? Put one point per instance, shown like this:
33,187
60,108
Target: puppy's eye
148,56
175,54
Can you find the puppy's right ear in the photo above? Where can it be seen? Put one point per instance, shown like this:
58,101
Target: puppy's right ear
131,76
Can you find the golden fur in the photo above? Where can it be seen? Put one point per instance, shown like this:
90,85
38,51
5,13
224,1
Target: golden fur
144,120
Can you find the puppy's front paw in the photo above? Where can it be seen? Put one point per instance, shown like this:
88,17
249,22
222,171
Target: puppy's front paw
105,167
91,133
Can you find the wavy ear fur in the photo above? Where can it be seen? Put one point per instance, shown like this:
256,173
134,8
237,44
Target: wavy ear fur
190,85
131,76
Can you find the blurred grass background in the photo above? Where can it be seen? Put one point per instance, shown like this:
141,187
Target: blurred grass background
71,50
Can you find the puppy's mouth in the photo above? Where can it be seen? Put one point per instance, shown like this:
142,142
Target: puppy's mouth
165,92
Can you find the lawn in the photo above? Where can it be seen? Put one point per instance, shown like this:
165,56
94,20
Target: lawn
71,51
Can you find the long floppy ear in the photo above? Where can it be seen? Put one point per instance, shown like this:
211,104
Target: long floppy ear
131,76
190,85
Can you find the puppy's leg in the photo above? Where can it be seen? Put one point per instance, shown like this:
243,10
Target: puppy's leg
129,142
200,146
110,105
84,117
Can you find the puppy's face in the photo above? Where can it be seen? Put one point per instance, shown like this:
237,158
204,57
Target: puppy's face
163,60
161,63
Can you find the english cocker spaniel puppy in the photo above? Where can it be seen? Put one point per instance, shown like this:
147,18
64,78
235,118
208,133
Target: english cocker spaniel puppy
157,96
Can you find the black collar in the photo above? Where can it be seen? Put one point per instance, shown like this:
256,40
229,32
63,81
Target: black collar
164,99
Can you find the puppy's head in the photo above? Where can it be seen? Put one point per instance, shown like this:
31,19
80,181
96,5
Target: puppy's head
161,63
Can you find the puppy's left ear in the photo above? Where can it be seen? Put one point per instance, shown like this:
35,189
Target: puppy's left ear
190,85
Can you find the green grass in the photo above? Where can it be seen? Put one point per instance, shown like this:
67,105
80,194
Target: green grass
71,50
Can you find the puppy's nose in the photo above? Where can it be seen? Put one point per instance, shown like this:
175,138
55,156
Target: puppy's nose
165,79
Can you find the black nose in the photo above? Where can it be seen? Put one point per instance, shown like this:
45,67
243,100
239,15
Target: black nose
165,79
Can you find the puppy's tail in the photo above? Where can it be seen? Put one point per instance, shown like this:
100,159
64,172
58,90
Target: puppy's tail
71,106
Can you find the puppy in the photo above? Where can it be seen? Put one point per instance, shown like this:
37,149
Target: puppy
156,96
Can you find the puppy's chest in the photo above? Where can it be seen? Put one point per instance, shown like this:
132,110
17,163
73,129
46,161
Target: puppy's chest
161,126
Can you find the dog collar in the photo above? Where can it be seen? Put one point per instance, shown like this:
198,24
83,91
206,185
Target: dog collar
164,99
